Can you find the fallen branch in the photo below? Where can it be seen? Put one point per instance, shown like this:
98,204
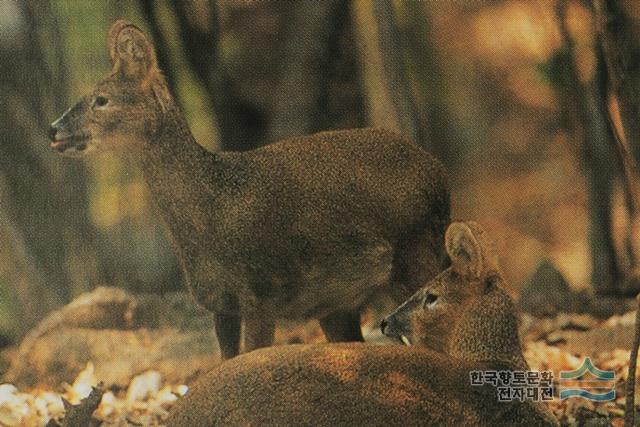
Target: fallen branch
80,415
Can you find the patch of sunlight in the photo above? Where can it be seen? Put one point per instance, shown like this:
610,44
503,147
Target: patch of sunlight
105,209
526,31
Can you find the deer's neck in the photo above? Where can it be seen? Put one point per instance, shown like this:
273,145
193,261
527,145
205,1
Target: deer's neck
488,333
179,171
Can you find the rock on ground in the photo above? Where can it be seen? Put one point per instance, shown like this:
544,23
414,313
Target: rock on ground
122,334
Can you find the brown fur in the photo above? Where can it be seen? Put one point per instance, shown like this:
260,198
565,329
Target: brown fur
310,227
361,384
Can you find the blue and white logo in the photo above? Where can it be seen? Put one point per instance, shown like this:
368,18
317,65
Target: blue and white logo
587,382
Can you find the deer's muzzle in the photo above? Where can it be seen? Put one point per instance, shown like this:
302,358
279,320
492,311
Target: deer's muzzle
62,140
67,134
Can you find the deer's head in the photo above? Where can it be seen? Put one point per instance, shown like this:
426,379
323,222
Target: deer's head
463,311
125,108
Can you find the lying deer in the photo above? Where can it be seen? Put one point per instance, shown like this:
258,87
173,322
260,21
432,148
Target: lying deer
461,321
310,227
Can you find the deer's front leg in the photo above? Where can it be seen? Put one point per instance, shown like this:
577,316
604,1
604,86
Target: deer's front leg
227,326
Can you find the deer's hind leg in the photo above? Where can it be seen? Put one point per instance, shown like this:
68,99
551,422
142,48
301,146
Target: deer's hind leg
259,326
342,326
259,331
418,258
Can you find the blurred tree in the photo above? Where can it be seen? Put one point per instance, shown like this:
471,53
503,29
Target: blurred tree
389,100
423,63
305,52
620,40
583,106
619,37
305,61
152,17
199,32
402,75
43,198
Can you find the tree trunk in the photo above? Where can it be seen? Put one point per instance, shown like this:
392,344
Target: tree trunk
619,38
585,116
309,70
318,87
238,123
389,100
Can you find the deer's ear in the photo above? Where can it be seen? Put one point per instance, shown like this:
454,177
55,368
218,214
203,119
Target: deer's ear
464,249
132,55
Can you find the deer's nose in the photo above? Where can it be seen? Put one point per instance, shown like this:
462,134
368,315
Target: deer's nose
52,132
383,325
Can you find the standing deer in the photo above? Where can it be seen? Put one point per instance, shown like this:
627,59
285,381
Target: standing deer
309,227
461,321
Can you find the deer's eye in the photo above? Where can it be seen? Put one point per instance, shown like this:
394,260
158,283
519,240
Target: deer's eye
430,300
100,101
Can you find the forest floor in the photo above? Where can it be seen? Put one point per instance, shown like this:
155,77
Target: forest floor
556,345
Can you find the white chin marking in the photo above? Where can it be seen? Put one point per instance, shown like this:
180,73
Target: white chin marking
405,340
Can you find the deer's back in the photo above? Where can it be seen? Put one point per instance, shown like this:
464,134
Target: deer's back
344,384
365,172
333,185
